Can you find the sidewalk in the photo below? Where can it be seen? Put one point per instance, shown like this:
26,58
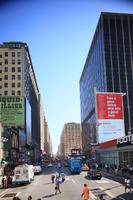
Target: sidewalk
119,174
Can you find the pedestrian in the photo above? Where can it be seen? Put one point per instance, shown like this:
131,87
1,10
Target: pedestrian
127,184
29,197
15,197
63,177
101,197
52,178
57,186
85,192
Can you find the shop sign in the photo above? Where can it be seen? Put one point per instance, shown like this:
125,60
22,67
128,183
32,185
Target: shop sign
124,141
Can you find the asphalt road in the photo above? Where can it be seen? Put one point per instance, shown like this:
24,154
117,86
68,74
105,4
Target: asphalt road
110,186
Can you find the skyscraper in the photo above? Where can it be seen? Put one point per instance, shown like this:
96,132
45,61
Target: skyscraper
70,138
17,78
108,68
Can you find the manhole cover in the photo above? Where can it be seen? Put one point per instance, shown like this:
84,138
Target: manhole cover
9,195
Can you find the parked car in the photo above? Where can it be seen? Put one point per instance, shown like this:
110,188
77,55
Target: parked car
94,174
66,164
37,169
84,167
50,165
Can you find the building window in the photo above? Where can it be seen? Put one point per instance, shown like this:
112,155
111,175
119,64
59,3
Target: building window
6,62
19,62
0,70
13,62
18,54
5,84
13,84
6,54
0,55
19,92
6,77
0,63
19,77
13,92
13,54
6,69
13,69
0,86
5,93
18,84
0,79
19,69
13,77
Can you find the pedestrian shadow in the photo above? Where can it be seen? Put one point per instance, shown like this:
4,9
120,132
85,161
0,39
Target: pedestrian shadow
47,196
47,183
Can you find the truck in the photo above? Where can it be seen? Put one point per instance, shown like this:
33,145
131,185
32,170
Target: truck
23,174
76,165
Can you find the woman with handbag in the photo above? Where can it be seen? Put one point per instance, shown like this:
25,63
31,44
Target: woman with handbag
57,186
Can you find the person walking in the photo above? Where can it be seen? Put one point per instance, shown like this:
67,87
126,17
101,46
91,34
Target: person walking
29,197
52,178
127,184
85,192
15,197
101,197
57,186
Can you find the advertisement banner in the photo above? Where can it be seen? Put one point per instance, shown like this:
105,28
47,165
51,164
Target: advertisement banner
0,143
12,111
110,119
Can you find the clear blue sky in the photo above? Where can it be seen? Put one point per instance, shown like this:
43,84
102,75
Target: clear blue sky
59,34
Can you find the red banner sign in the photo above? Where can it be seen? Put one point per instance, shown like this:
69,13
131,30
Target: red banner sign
109,106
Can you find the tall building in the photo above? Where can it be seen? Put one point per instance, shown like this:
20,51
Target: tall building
42,116
108,68
47,139
17,78
70,138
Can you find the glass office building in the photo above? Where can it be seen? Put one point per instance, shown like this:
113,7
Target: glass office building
108,68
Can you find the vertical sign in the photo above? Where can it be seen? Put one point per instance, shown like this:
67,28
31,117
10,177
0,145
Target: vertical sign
110,120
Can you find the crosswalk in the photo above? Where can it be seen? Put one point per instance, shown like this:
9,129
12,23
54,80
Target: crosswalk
96,192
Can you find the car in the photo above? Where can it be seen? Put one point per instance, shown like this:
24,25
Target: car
50,165
84,167
94,173
66,164
37,169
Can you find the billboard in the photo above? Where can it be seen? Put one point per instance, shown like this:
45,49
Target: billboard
110,119
12,111
28,123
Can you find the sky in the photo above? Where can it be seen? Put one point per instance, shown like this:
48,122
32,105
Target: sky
59,34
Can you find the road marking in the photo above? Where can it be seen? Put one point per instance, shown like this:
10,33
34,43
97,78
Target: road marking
73,181
67,178
102,181
18,193
107,192
93,197
4,192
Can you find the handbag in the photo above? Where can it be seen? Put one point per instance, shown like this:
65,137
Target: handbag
55,188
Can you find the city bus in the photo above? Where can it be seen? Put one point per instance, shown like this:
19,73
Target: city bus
75,161
76,165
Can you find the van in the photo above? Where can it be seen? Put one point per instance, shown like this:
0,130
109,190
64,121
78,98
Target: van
23,174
